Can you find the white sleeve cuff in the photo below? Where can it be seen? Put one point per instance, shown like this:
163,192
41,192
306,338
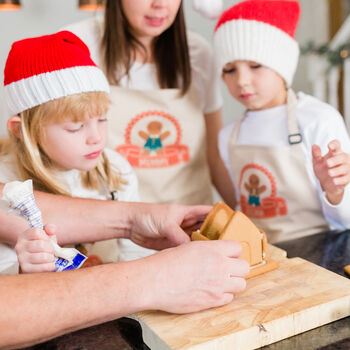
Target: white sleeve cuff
345,199
337,215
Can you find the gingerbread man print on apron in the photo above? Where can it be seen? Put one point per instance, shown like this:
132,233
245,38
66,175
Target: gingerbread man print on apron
163,136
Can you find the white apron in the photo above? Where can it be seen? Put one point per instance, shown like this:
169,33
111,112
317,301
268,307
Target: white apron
274,187
162,134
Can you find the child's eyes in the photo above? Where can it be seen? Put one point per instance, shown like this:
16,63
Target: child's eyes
233,69
228,70
74,129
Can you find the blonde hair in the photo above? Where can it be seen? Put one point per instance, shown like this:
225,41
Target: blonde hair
33,163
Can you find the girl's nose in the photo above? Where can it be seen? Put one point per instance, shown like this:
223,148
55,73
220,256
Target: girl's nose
159,3
94,136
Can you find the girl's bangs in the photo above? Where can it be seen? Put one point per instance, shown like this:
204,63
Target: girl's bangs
76,108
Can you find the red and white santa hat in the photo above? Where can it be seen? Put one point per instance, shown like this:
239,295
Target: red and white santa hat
262,31
48,67
209,8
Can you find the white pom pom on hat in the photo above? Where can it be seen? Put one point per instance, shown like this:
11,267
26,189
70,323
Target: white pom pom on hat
209,8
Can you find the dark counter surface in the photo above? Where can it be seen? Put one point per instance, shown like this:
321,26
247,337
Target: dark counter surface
330,250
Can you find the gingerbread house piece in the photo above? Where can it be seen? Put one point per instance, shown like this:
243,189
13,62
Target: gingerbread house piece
227,224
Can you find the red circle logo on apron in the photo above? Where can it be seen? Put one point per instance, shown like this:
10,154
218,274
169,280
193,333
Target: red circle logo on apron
153,140
258,192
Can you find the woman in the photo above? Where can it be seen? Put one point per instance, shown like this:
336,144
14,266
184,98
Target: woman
166,105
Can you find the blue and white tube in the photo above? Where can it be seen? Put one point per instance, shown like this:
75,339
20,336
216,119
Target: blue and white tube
20,197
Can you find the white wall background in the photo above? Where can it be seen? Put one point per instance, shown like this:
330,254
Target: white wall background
38,17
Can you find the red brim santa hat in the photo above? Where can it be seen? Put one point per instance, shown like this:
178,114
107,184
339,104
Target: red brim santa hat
262,31
49,67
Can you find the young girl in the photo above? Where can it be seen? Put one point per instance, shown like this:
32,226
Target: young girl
58,99
161,73
274,152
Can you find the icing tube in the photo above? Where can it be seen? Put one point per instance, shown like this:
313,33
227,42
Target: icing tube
67,258
20,197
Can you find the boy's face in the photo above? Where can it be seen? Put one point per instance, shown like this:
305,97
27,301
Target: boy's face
75,145
255,86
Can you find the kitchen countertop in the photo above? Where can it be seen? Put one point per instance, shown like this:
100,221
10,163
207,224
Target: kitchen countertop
330,250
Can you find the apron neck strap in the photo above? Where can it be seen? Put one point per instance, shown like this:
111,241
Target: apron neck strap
294,136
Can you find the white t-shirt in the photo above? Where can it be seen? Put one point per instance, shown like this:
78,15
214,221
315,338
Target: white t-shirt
72,184
319,124
206,78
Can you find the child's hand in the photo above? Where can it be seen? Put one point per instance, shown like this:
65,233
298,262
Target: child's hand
332,170
34,250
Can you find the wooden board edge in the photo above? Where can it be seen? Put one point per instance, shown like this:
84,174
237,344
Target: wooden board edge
261,335
150,338
266,333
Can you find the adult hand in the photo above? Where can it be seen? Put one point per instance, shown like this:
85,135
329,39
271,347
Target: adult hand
160,226
332,170
195,276
34,250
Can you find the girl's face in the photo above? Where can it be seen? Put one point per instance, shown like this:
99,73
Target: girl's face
255,86
150,18
75,145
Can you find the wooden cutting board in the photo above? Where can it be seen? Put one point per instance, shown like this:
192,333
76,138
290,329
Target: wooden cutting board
295,298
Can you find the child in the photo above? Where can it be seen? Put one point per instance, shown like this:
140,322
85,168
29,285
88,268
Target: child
285,184
58,100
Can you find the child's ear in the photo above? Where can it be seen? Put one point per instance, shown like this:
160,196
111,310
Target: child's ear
14,126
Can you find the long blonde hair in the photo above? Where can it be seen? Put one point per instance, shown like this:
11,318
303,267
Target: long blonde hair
33,163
